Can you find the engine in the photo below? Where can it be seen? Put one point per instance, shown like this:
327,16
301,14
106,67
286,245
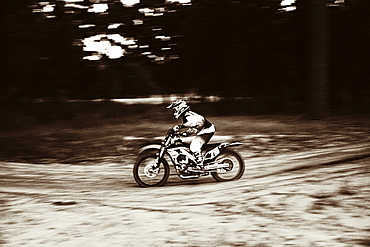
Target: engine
182,159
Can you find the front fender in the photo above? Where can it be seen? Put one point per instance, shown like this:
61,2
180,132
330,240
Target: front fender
149,147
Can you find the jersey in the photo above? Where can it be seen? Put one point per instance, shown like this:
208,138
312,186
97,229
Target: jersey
197,124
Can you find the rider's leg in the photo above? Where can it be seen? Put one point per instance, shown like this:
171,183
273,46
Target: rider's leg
196,146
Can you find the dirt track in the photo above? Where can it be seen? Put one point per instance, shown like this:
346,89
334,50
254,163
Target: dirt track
282,200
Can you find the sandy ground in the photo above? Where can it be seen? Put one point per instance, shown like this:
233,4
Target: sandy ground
306,184
301,198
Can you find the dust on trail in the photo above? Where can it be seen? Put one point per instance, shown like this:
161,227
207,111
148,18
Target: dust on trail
100,205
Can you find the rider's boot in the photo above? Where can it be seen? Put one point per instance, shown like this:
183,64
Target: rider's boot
199,159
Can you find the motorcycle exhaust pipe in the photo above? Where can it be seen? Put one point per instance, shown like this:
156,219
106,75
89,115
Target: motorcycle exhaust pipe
215,166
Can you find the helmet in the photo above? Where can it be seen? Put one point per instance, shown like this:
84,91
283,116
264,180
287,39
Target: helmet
179,107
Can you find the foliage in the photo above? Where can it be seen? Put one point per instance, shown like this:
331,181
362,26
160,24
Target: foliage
222,47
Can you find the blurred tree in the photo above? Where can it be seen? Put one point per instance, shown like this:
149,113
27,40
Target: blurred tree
17,61
315,12
233,48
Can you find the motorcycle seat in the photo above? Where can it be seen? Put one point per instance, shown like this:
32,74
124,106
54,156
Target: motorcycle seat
209,146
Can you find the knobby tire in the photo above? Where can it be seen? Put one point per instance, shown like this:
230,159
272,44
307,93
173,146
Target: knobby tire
139,178
227,153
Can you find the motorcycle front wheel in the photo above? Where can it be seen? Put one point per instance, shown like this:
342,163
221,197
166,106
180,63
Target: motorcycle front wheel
145,173
235,166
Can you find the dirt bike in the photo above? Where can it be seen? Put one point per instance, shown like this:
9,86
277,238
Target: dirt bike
152,169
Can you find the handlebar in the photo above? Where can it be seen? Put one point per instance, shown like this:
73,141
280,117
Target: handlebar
170,134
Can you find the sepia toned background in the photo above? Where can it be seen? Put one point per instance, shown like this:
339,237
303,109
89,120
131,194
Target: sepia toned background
85,83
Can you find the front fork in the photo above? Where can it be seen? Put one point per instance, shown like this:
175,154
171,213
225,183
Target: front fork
159,157
152,170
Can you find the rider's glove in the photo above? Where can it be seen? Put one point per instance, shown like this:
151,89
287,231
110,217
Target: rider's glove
176,128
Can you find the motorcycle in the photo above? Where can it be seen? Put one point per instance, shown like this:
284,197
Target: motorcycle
152,169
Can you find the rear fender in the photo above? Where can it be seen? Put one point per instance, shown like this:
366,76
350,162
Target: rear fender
213,153
231,144
222,146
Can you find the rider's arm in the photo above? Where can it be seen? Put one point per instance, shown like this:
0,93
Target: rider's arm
180,130
193,122
178,127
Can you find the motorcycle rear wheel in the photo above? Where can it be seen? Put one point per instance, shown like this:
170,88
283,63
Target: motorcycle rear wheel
235,168
146,176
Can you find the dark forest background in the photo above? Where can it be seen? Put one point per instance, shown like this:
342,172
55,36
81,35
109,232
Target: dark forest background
312,60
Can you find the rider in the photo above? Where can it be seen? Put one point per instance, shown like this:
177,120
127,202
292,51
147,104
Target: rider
194,123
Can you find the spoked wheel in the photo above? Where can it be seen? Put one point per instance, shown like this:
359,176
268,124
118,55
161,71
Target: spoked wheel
235,166
146,175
